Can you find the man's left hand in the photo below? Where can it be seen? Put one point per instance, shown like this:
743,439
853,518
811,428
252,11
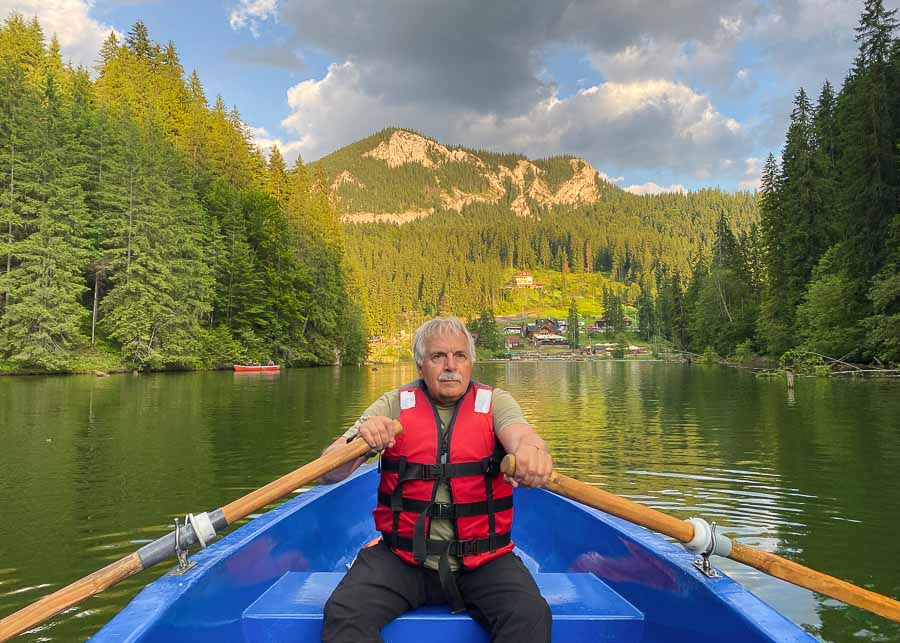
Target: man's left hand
533,466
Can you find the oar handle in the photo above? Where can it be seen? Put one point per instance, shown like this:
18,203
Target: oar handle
683,531
72,594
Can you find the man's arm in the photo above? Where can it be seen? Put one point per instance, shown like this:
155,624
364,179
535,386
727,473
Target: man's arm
378,432
377,421
533,461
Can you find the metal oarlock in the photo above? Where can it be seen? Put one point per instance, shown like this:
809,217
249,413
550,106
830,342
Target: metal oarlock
184,565
706,542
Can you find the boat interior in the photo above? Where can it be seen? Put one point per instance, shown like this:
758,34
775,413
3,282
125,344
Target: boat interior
604,578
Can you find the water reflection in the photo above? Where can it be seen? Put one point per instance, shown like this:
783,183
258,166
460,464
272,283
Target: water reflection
92,468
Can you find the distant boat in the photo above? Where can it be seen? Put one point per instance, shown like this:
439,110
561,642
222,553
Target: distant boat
240,368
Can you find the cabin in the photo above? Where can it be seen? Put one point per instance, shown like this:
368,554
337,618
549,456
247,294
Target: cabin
603,325
524,279
513,341
547,332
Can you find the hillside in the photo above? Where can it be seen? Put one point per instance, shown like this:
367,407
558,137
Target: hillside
470,219
398,176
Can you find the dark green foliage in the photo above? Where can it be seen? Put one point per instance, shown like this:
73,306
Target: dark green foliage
572,330
464,259
133,215
489,336
829,215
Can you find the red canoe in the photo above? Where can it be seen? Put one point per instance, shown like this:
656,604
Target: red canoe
240,368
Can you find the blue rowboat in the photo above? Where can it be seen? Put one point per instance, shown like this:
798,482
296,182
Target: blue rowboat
605,579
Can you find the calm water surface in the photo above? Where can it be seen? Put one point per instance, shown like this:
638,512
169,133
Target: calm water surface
91,469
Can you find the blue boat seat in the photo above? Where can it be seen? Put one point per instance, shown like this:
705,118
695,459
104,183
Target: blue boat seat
584,609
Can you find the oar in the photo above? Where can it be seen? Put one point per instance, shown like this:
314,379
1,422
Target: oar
208,524
698,537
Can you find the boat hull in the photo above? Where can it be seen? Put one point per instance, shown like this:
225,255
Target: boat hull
322,529
240,368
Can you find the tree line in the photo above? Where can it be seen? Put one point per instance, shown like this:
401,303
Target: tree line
460,262
821,270
139,222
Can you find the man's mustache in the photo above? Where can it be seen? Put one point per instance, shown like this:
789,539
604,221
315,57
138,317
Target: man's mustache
449,377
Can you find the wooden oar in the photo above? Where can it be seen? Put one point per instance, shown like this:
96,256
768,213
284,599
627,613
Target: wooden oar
164,548
683,531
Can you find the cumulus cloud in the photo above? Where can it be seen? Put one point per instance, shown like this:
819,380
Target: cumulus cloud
80,36
652,188
251,13
621,126
474,73
290,150
752,174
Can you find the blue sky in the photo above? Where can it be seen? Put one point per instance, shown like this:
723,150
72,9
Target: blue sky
656,96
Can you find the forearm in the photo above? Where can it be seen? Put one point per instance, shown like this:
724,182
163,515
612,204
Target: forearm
533,461
338,474
517,436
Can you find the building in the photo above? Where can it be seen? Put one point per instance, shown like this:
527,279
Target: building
523,279
546,332
603,325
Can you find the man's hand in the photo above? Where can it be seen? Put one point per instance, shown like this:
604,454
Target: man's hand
379,432
533,466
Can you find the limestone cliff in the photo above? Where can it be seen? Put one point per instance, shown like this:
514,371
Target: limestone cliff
397,176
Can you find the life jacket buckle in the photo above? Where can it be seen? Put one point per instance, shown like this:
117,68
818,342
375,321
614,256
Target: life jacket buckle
466,547
443,511
489,466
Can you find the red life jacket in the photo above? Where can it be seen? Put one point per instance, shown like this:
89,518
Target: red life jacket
481,507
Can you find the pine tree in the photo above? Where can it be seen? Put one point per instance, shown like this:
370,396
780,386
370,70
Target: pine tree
43,321
572,329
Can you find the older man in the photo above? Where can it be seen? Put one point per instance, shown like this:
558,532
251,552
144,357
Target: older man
444,509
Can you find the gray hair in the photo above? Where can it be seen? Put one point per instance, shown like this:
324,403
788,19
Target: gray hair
440,326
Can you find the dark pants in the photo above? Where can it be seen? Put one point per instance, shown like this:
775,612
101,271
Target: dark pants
500,595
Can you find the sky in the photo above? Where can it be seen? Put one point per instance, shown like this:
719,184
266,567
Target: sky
657,96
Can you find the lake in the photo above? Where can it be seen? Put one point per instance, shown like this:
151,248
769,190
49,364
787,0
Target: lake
93,468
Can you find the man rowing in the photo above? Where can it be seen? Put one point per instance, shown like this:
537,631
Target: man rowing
444,509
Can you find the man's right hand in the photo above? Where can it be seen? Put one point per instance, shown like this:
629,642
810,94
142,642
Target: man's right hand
379,431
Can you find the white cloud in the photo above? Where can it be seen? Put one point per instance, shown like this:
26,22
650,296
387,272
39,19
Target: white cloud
619,127
611,179
290,150
752,174
652,188
79,35
251,13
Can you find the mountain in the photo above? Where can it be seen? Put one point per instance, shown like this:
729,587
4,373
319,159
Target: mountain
471,219
398,175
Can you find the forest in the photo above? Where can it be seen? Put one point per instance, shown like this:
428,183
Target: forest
140,227
810,263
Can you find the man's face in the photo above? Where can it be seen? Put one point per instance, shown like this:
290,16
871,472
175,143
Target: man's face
446,367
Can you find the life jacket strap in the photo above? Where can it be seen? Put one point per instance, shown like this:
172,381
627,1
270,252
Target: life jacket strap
445,511
418,471
457,548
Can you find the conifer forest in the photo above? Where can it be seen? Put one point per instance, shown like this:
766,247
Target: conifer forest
141,226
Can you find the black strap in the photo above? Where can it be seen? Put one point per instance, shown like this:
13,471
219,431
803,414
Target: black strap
443,511
448,583
419,471
455,547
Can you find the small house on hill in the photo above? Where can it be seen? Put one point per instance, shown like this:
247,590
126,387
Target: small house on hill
524,279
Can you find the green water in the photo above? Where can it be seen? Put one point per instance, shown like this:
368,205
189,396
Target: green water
90,469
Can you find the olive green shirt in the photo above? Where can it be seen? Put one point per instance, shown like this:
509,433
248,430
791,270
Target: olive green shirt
504,411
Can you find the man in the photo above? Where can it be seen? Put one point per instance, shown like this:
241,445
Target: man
444,509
